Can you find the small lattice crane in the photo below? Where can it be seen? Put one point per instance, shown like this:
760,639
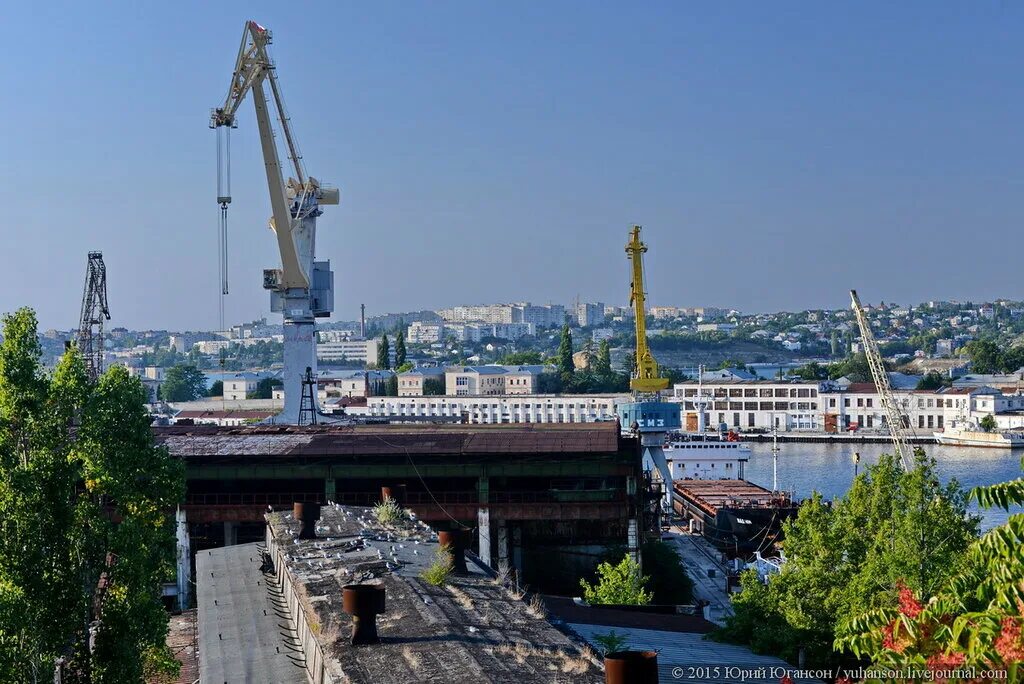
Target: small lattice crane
94,312
894,418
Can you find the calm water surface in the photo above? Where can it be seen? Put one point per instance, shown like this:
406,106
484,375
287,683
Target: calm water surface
829,468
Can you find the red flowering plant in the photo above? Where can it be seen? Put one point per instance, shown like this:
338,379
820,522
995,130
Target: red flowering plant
972,626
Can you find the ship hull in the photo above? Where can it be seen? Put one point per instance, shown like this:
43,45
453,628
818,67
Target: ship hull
988,440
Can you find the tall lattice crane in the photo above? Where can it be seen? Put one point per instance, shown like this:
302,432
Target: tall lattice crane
894,418
303,288
94,312
645,376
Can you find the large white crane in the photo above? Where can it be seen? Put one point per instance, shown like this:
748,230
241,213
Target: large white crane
893,416
302,289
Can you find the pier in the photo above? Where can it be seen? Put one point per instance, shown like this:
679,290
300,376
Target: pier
828,438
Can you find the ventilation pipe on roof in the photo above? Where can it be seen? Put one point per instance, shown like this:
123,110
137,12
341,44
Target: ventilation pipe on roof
631,667
307,513
364,602
453,541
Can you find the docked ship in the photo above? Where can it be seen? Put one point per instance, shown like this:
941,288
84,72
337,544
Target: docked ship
711,491
739,517
964,434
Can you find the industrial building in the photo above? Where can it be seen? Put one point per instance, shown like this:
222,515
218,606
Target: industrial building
554,495
288,610
487,410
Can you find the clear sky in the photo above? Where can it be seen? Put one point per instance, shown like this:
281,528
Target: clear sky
776,154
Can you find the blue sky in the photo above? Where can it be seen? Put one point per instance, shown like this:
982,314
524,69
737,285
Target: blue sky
776,154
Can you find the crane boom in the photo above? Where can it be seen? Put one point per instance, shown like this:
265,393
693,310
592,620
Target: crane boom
645,377
303,288
893,416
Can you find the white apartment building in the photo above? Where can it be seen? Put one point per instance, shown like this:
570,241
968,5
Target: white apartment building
663,312
541,315
488,313
419,332
411,383
240,385
514,331
491,380
830,407
589,314
497,409
356,351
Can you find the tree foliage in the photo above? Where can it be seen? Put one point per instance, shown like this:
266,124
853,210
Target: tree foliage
988,357
400,349
80,479
265,388
620,584
383,354
522,358
849,558
564,354
976,619
184,382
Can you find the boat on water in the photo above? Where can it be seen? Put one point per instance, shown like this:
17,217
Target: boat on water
965,434
710,489
706,456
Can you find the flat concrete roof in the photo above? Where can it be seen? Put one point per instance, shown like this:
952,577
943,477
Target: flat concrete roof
239,632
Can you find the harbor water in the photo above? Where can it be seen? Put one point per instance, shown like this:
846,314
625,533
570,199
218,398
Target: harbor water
829,468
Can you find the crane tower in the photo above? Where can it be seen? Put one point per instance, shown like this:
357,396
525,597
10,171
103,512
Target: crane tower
302,289
647,415
894,418
94,312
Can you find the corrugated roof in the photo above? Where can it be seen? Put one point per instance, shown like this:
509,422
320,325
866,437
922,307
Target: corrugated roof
290,440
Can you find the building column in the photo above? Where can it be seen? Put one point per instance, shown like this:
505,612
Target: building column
329,489
184,560
503,556
230,533
483,522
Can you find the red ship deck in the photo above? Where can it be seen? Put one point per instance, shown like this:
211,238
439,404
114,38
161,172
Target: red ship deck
711,495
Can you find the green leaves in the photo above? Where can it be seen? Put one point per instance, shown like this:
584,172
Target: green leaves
846,559
74,457
620,584
1002,495
184,382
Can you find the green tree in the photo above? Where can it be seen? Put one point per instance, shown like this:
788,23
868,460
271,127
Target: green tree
405,367
988,423
621,584
977,618
850,558
603,362
811,371
522,358
383,354
265,388
216,389
433,387
183,383
80,482
930,381
392,386
564,354
400,349
668,579
985,356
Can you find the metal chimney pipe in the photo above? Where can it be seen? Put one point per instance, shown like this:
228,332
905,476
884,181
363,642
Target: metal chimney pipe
631,667
362,321
307,513
364,602
454,541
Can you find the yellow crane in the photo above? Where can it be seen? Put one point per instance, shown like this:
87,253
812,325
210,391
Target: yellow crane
645,374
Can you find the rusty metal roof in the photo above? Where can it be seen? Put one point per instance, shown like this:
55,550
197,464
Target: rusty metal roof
279,440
